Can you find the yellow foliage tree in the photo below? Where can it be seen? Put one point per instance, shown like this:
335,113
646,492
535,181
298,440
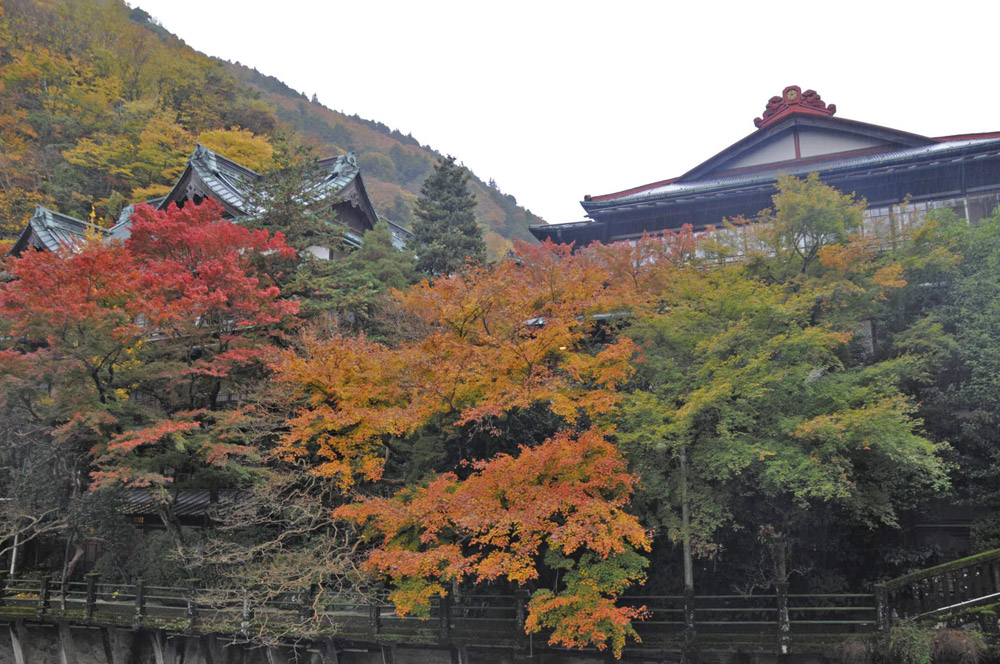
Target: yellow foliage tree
240,145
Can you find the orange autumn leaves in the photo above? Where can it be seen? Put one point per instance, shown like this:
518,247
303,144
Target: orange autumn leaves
511,336
497,339
535,329
567,494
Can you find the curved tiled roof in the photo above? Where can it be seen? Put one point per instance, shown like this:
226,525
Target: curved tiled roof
225,180
186,502
54,231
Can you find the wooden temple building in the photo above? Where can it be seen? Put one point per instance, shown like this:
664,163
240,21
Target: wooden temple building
208,174
799,134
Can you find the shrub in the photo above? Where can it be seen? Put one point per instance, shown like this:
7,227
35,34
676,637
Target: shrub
985,532
953,646
855,650
910,643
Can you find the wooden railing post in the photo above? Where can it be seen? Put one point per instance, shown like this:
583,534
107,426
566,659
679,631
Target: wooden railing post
521,638
520,609
375,616
192,602
246,614
306,599
937,591
784,622
958,576
91,600
444,616
140,603
953,591
43,595
979,580
3,585
881,607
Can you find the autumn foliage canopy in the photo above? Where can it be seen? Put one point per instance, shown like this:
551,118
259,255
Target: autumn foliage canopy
503,431
164,318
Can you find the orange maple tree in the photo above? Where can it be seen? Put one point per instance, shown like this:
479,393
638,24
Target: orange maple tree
498,339
563,500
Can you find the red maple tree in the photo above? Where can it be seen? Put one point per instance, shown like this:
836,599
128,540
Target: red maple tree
126,350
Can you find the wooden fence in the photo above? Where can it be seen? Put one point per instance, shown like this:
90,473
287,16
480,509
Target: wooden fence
961,584
775,621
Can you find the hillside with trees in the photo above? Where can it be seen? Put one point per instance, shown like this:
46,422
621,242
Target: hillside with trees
100,106
395,164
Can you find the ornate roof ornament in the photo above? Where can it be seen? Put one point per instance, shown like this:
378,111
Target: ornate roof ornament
793,100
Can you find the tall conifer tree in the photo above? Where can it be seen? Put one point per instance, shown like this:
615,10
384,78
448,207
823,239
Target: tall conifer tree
446,230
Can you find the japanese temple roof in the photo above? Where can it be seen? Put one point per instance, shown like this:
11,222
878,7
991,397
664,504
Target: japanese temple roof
868,159
797,134
343,169
186,502
227,181
230,182
209,174
54,231
400,236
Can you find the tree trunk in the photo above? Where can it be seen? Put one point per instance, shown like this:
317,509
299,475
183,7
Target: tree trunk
70,566
686,525
13,554
780,559
173,526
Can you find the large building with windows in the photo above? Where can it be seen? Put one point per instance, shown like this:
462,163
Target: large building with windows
799,134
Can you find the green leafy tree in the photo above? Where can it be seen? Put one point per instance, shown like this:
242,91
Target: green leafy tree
962,325
353,285
786,238
757,406
290,199
446,230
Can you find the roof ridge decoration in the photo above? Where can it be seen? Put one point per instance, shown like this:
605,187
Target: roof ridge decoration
793,100
343,166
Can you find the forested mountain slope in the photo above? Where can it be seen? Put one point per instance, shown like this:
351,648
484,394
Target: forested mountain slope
100,106
394,164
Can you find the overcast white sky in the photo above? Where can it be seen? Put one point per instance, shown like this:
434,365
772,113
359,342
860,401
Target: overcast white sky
560,99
